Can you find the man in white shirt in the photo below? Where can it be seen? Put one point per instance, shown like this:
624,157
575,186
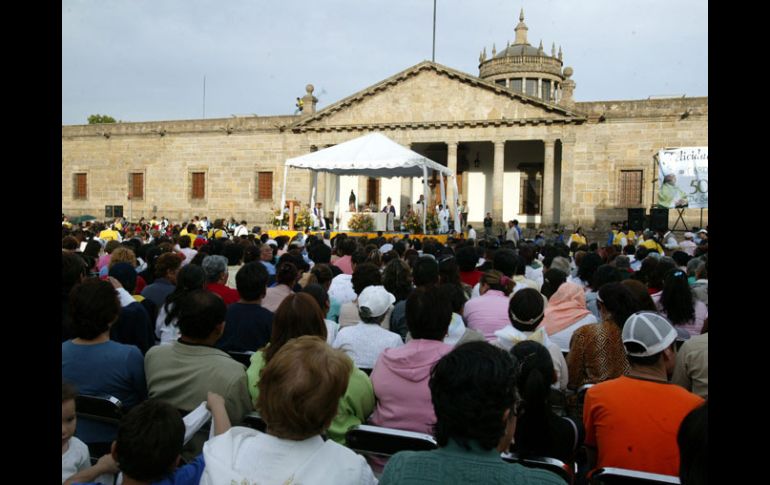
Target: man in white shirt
318,217
512,234
471,232
241,230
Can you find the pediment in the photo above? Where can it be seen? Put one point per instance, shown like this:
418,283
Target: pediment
429,93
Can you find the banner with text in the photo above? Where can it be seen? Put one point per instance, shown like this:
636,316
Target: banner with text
684,177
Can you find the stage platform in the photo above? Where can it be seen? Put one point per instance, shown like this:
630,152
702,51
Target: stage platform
442,238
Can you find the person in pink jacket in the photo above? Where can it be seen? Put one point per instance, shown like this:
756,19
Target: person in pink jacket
400,376
489,312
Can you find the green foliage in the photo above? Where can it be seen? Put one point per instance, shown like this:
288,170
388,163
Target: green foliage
97,119
303,219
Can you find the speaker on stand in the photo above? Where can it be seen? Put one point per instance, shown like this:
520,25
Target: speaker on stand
636,219
659,219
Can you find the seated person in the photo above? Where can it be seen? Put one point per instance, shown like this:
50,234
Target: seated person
299,391
365,341
565,313
400,376
248,324
525,312
473,389
539,431
95,364
299,315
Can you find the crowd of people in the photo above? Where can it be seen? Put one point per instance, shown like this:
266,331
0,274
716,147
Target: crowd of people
466,340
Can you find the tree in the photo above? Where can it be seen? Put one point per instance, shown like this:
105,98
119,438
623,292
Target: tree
97,118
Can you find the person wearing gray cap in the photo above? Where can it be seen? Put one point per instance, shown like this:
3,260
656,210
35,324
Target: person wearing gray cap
631,422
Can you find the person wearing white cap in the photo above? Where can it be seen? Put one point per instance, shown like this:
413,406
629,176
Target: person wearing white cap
701,236
670,241
632,422
688,246
365,341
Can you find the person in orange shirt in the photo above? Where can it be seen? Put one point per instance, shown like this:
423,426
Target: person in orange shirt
632,422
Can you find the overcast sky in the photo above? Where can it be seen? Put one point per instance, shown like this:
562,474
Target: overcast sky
145,60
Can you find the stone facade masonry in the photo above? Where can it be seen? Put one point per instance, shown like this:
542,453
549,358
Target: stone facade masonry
424,104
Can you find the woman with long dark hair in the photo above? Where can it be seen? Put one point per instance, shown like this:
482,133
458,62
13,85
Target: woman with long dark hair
539,431
189,278
677,302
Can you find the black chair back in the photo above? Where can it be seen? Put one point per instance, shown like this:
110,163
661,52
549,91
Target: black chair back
623,476
377,440
552,465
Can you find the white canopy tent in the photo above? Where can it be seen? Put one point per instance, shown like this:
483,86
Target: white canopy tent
372,155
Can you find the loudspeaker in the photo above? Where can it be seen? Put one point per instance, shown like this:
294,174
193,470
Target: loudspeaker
108,211
659,219
636,219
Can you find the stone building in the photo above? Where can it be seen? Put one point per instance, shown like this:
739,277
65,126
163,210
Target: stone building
519,143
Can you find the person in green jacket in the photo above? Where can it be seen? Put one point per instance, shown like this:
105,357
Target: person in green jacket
670,195
299,314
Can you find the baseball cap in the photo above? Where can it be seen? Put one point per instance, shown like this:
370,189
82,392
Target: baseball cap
377,299
650,330
385,248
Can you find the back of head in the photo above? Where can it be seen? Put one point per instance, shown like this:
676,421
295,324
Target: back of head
323,274
467,259
471,388
604,274
639,292
320,253
526,309
645,336
692,439
455,294
125,274
495,280
166,262
397,279
677,299
214,266
552,280
200,312
507,262
234,254
93,306
561,263
149,441
428,313
536,374
300,387
618,301
298,314
318,293
251,281
365,275
425,271
73,268
286,273
588,266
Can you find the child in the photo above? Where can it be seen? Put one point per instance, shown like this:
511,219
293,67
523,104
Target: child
75,459
150,439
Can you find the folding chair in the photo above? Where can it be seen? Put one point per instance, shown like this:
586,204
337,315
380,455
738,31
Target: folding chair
254,420
575,402
623,476
104,409
558,401
377,440
544,463
242,357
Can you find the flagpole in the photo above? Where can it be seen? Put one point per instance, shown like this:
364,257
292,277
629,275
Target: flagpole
434,31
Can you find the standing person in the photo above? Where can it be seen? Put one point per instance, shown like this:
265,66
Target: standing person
318,215
352,201
578,237
419,206
463,209
488,225
390,210
513,233
443,217
632,421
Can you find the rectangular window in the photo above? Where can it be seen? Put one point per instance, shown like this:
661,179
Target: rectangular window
136,186
516,84
198,185
546,86
80,186
630,188
532,87
501,82
265,185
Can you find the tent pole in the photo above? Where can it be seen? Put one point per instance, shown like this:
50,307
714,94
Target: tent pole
426,200
313,192
336,201
283,194
441,185
458,225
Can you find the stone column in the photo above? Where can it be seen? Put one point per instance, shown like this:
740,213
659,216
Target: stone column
497,181
451,157
540,88
567,180
548,188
